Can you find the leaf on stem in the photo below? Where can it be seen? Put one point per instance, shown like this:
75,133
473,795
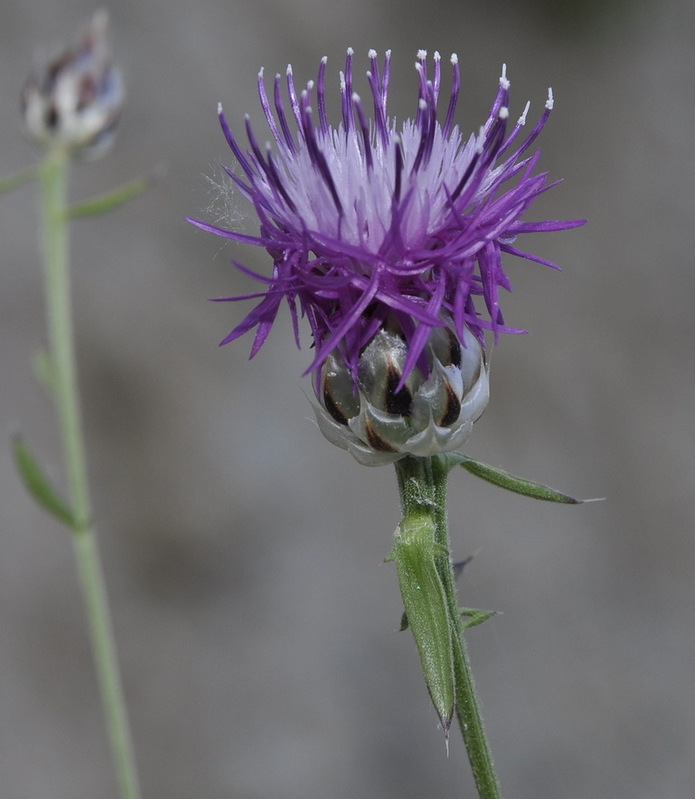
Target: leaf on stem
426,612
38,486
518,485
109,201
13,181
43,370
475,617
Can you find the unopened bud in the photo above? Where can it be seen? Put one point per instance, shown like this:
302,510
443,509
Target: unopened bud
74,102
378,422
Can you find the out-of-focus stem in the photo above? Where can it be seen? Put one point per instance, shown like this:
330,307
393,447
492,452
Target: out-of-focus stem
53,177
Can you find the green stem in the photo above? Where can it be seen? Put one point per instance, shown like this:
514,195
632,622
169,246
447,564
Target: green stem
422,485
64,384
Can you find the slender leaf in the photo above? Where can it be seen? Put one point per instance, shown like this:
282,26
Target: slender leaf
475,617
38,486
503,479
426,613
43,370
109,201
13,181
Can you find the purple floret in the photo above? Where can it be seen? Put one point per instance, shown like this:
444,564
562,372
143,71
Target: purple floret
372,223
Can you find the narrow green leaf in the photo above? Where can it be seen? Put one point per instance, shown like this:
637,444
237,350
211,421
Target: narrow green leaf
503,479
38,486
426,612
107,202
13,181
43,370
475,617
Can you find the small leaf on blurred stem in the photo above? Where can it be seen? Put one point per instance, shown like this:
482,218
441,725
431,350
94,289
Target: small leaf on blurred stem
13,181
43,370
38,486
109,201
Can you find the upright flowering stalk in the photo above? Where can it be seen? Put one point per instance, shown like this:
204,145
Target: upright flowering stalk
71,106
389,239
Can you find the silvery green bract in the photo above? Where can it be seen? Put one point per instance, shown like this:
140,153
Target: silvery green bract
389,415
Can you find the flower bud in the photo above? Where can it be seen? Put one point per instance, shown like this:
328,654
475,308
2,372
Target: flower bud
379,422
74,102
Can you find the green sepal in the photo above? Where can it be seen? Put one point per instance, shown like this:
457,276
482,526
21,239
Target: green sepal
109,201
426,612
503,479
38,486
13,181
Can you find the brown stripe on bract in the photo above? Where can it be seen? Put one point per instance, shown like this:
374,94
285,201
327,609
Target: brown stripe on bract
375,441
452,410
331,406
397,402
454,349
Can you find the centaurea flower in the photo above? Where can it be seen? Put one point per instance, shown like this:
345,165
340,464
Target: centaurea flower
374,226
389,239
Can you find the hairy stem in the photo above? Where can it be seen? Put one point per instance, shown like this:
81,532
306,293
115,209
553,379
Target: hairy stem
422,485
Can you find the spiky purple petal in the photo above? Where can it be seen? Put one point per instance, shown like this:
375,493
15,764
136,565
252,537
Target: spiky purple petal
371,222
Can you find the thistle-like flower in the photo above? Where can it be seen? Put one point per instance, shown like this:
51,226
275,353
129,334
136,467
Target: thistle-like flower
389,239
75,101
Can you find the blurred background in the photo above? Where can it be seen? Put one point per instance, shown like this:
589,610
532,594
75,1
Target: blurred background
256,621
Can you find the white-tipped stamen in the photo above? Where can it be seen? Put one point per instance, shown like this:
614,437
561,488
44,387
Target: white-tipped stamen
550,102
504,82
522,118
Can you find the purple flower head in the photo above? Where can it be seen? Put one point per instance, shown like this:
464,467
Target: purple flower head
373,223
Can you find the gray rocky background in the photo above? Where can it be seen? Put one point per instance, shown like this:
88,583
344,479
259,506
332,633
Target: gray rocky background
256,621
